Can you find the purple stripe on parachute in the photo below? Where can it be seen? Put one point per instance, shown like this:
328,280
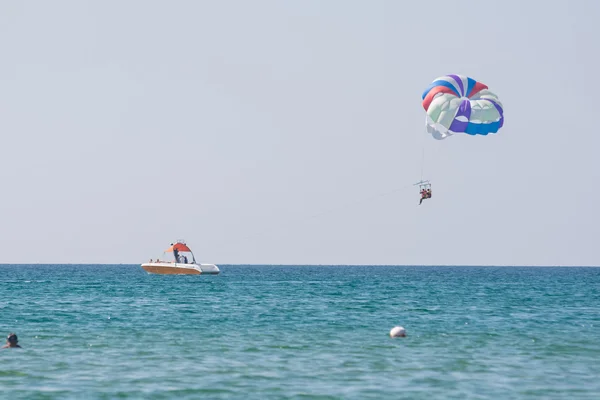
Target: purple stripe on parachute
460,84
498,107
464,110
500,110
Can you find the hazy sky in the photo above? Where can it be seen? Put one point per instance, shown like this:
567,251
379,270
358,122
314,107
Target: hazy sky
125,125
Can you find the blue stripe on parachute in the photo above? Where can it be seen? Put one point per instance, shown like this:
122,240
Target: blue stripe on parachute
440,83
470,84
483,129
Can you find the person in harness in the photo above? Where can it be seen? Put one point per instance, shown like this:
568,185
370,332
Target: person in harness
423,195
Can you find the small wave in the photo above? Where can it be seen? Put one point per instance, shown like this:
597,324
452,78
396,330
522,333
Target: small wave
12,373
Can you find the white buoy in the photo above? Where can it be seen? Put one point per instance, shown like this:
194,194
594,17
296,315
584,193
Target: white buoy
398,331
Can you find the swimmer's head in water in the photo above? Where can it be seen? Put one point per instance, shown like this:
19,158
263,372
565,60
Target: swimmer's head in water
12,338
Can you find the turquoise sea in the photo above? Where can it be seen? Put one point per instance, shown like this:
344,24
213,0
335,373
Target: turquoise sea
306,332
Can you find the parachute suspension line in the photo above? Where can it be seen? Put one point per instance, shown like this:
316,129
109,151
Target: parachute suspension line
422,162
423,157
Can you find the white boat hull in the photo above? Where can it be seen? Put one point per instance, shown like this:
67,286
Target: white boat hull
169,268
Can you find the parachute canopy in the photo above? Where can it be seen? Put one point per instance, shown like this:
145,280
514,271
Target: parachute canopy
179,247
459,104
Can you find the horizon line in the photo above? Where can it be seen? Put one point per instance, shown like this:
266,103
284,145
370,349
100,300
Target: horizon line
332,265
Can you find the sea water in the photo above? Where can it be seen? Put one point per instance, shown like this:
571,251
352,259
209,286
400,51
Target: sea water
309,332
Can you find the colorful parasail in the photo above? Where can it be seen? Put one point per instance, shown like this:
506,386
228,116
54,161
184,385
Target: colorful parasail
459,104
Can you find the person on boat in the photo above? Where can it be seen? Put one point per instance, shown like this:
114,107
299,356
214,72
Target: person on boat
176,255
184,257
11,341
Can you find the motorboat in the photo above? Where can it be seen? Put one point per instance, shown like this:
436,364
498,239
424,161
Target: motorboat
181,264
